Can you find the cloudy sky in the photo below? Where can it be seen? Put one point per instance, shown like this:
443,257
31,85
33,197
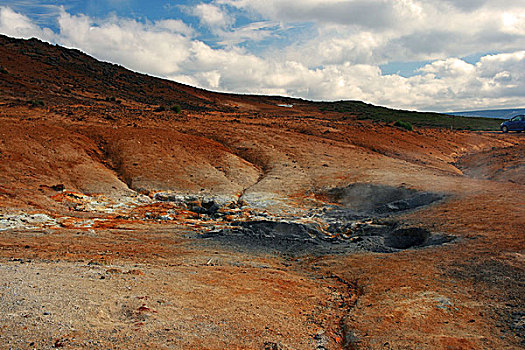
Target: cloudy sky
434,55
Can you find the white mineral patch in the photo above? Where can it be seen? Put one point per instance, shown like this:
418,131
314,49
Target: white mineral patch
25,221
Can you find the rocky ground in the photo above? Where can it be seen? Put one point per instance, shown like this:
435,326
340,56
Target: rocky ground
240,224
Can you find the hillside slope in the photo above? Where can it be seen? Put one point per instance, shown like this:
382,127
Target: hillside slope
33,72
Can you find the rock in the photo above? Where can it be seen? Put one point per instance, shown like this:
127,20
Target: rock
211,207
58,187
196,208
272,346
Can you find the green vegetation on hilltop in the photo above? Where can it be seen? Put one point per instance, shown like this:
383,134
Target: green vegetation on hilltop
404,125
176,108
367,111
37,103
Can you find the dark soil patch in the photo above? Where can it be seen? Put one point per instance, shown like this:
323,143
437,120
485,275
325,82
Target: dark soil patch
413,237
371,199
362,221
300,239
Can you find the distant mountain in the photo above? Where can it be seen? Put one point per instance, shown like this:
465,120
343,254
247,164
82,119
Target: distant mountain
491,113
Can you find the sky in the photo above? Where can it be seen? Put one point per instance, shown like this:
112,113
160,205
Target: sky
427,55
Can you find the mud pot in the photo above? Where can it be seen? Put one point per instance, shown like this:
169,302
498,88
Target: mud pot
359,217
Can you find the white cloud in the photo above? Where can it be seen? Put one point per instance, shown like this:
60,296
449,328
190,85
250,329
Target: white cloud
451,67
364,13
514,22
403,29
252,32
211,16
19,26
174,26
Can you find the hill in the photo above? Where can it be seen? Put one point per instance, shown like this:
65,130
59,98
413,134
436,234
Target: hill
34,72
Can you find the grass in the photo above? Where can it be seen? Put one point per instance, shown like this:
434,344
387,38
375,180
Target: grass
404,125
370,112
37,103
176,108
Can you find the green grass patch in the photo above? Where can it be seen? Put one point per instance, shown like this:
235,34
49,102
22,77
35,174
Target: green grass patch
175,108
404,125
365,111
37,103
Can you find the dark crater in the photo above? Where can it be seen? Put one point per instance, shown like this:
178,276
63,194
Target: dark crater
364,219
271,236
301,239
370,199
407,238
